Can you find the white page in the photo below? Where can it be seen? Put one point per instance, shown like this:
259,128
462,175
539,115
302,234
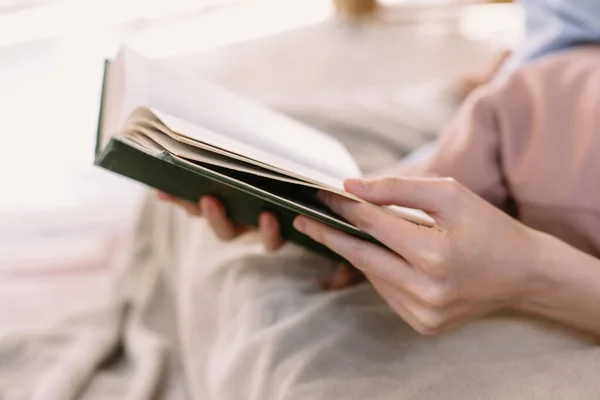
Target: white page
151,139
182,94
144,141
191,131
190,134
199,137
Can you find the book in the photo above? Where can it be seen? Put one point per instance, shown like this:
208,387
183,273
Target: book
176,132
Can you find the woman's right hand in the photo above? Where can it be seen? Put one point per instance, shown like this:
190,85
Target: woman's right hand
215,213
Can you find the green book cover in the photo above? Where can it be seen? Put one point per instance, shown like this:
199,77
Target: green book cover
244,199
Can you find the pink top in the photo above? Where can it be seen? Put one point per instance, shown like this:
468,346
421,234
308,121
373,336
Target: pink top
535,137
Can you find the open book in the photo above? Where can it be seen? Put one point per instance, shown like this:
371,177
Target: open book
171,130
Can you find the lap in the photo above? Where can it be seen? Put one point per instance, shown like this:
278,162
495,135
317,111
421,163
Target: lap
255,325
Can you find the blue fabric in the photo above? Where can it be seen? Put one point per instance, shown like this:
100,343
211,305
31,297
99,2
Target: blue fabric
555,25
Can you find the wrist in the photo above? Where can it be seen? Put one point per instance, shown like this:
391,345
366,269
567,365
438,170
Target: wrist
543,280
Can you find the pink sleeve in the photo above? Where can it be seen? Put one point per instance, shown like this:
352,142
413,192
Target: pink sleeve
469,149
535,137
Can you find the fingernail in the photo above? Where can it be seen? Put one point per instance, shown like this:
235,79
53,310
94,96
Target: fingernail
299,224
355,184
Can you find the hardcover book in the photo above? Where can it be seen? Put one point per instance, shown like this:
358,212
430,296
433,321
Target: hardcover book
187,137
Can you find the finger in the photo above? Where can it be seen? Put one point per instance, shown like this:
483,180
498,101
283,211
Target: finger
338,280
388,295
270,231
404,237
405,289
356,275
434,195
191,208
188,206
369,258
344,276
323,282
216,216
164,196
426,318
377,262
341,278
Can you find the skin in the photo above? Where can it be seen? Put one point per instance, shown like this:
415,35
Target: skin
474,261
216,215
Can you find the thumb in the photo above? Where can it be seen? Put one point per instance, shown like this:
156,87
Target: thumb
432,195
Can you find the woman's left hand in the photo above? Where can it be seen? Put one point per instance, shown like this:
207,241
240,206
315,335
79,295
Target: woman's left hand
475,260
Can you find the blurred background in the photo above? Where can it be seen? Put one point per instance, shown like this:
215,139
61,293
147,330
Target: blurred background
396,74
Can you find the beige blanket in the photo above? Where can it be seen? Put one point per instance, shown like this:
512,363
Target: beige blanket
191,317
195,318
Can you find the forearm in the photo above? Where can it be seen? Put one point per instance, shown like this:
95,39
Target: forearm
568,290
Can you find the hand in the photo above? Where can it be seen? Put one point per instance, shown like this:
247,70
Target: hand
476,260
225,229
